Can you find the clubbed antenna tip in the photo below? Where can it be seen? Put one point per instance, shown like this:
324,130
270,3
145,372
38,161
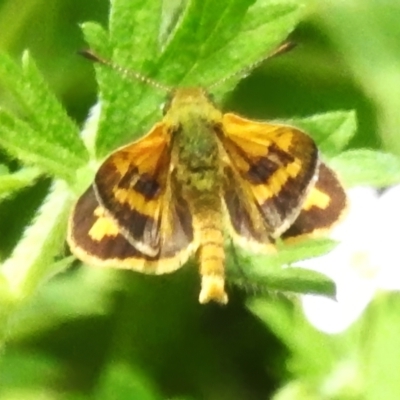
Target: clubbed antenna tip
90,55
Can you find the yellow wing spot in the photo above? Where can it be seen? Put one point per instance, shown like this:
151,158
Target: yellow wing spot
136,201
317,199
277,181
285,139
103,226
293,168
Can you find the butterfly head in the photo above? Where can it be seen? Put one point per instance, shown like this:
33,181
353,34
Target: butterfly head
190,102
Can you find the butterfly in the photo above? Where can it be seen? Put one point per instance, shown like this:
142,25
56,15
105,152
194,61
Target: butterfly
198,177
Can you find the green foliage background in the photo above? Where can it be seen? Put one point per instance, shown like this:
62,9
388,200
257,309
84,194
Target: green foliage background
82,333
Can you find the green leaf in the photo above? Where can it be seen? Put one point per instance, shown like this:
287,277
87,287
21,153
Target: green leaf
210,41
367,167
382,361
97,38
290,253
27,374
171,13
71,296
32,259
331,131
133,28
4,170
272,273
9,183
123,381
287,279
312,353
43,130
231,36
26,144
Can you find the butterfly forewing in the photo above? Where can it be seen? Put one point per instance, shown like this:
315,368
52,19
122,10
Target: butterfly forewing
278,164
131,186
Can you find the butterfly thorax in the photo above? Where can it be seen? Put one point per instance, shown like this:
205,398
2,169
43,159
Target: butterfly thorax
192,119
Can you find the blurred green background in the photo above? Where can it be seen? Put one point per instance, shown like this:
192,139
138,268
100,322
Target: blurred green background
117,335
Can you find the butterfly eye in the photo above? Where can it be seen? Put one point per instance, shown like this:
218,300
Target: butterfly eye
211,98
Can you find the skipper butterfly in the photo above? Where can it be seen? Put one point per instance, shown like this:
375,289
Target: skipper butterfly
198,176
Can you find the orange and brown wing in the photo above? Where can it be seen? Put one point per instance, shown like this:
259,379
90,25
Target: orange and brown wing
245,225
325,205
133,215
276,165
97,240
131,186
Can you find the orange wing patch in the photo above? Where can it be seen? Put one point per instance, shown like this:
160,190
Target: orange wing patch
277,163
131,186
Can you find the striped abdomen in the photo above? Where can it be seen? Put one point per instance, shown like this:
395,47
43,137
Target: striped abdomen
211,256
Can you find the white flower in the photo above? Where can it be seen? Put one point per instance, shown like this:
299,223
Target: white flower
366,259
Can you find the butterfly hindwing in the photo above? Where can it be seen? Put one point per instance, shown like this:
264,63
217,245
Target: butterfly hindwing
97,240
176,225
324,206
244,223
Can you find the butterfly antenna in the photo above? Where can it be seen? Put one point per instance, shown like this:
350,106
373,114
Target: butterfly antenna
91,55
283,48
